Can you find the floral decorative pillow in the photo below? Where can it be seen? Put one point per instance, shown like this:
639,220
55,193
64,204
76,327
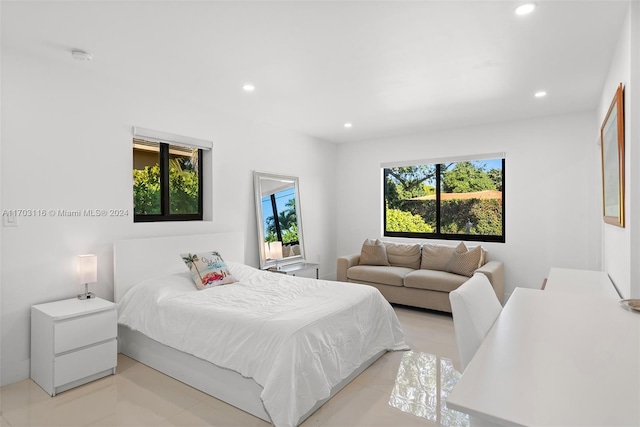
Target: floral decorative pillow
208,269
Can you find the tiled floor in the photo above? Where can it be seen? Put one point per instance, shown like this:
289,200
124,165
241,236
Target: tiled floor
400,389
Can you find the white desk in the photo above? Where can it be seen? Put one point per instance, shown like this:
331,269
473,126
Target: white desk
581,281
556,359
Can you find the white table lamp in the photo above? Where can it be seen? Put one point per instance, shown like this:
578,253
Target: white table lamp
276,250
267,251
87,273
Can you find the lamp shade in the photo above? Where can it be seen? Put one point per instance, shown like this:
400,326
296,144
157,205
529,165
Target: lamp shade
276,250
87,268
267,251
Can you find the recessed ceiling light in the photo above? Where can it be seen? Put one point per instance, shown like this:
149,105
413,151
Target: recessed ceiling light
540,94
248,87
525,9
348,125
81,55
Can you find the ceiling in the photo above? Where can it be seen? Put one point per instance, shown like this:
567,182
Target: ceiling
387,67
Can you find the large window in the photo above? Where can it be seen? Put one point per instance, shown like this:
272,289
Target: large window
167,181
461,200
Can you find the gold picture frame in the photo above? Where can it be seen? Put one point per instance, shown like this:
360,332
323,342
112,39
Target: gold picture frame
612,150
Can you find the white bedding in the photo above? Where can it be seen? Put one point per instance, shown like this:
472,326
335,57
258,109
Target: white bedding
296,337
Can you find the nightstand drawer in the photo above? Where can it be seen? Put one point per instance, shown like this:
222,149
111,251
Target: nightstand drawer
79,364
85,330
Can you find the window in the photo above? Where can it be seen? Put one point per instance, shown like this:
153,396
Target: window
167,180
456,200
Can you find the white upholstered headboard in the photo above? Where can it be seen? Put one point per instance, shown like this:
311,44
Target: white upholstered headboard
138,259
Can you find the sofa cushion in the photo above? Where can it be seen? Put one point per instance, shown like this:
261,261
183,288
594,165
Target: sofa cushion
465,262
373,253
403,255
436,257
378,274
434,280
484,258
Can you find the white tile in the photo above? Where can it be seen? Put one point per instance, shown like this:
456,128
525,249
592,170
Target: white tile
141,396
203,414
370,407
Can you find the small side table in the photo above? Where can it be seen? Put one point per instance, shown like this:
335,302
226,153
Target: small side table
297,268
73,342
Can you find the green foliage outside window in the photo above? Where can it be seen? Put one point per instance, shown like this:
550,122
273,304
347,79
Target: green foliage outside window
146,190
485,215
398,220
410,197
465,177
183,189
183,186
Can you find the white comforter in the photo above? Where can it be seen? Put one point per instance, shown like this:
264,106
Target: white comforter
296,337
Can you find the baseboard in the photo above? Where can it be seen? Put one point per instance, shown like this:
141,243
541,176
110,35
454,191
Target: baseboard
14,372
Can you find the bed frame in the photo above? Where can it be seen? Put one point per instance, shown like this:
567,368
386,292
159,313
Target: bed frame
135,260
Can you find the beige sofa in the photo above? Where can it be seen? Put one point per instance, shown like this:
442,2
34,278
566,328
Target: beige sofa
419,275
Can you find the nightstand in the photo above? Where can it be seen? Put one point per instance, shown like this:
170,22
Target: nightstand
297,268
73,342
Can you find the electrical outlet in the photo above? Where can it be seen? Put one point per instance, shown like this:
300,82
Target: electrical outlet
9,221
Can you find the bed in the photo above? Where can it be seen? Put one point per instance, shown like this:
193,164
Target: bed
273,345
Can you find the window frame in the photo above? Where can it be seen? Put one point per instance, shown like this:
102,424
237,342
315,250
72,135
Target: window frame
438,235
165,207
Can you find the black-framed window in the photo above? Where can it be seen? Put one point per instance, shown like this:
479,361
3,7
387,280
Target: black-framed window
167,182
461,200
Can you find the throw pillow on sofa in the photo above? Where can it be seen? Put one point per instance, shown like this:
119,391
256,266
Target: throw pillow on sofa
403,255
463,261
373,253
436,257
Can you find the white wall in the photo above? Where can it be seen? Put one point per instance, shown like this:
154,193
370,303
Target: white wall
622,245
633,94
551,190
1,204
66,144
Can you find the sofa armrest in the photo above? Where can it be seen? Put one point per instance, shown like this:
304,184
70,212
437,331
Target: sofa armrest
494,270
344,263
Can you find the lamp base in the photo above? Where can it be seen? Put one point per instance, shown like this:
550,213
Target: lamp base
88,295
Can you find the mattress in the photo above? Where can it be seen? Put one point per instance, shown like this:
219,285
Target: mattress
295,337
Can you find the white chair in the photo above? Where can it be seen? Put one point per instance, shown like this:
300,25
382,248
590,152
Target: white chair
475,307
